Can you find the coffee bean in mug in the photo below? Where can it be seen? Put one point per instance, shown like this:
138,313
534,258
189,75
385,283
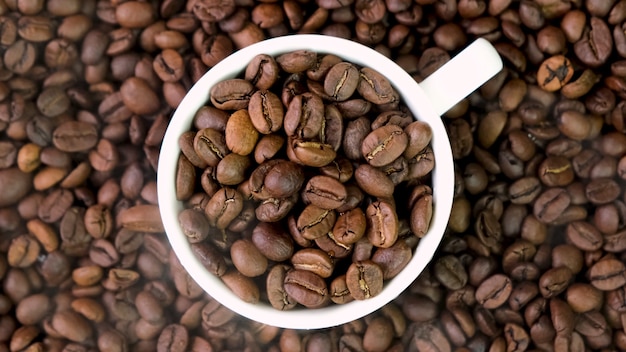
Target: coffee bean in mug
318,202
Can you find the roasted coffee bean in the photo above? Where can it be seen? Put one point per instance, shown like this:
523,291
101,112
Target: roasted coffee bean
599,37
143,218
602,191
223,207
242,286
494,291
341,81
550,204
450,272
393,259
584,236
304,116
524,190
339,291
421,215
554,281
276,293
315,222
297,61
138,96
21,184
173,338
266,111
313,260
268,147
383,225
350,226
75,136
383,145
20,56
247,258
273,241
210,145
607,274
325,192
262,71
53,101
212,260
376,88
276,178
232,94
275,209
314,154
364,279
373,181
71,326
23,251
306,288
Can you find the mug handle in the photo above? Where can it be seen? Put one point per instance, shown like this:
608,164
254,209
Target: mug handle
462,75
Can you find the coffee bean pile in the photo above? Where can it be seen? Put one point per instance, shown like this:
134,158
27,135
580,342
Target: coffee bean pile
534,255
316,216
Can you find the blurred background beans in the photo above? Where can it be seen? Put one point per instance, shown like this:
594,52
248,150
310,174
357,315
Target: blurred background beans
533,258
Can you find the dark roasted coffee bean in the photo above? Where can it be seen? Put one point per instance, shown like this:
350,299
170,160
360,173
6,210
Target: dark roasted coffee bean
550,204
272,241
598,37
450,272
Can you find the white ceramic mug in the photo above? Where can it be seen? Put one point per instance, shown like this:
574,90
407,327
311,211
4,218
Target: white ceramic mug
427,101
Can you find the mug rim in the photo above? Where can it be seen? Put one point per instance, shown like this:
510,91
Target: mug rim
334,314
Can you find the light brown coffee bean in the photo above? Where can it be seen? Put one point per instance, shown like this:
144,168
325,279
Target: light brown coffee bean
350,226
241,135
71,326
306,288
325,192
266,111
276,293
139,97
142,218
607,274
243,287
494,291
383,226
233,94
313,260
23,251
33,309
384,145
247,258
364,279
376,88
134,14
75,136
315,222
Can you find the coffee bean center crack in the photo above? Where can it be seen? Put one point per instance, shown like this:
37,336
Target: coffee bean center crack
382,145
